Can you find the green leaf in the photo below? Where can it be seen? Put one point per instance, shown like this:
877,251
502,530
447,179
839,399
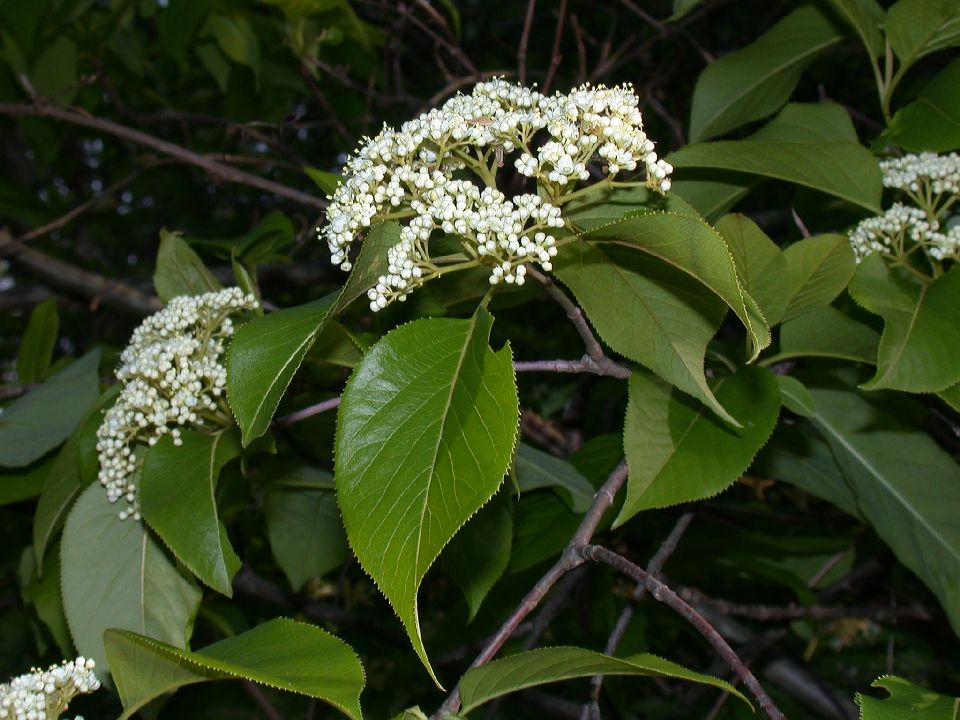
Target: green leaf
281,653
36,347
827,332
326,181
180,271
177,25
178,485
906,702
553,664
712,192
237,40
795,396
215,63
682,7
760,264
425,433
23,483
536,469
866,17
919,27
648,311
370,264
478,554
678,453
755,81
74,467
542,526
811,145
264,356
921,331
305,529
42,591
113,575
336,345
37,422
906,487
951,396
690,245
54,74
818,269
932,121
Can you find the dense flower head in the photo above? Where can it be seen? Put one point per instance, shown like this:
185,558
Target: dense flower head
172,377
439,172
42,694
928,186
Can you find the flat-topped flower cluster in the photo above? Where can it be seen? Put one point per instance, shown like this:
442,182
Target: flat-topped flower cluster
42,694
931,184
440,171
172,378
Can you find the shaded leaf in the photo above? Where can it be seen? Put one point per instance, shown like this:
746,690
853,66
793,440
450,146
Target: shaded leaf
371,263
281,653
678,453
180,271
536,469
906,702
237,40
755,81
932,121
818,269
326,181
919,27
951,396
542,526
425,433
23,483
760,264
37,343
795,396
921,331
553,664
866,17
178,486
263,357
827,332
37,422
113,575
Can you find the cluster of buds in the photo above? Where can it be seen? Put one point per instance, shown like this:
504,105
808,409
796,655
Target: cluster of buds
172,377
43,694
931,184
420,173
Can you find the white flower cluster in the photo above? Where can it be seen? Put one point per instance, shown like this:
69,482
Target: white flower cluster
172,377
916,173
932,183
416,172
43,694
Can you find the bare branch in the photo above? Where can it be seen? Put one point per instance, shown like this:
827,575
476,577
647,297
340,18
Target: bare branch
524,42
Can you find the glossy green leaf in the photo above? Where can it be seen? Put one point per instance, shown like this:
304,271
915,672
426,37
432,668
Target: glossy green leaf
827,332
795,396
906,487
264,356
690,245
281,653
647,311
425,433
536,469
304,527
178,485
35,423
73,468
478,554
906,701
36,346
553,664
921,332
371,263
180,271
755,81
932,121
810,145
818,270
677,452
114,575
919,27
760,264
866,17
237,40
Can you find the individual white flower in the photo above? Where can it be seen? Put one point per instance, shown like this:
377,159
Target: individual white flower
43,694
415,174
172,377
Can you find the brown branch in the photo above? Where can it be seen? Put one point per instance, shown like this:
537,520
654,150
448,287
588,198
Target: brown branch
592,709
262,701
72,279
581,49
555,56
307,412
586,364
524,42
668,597
594,349
570,559
216,169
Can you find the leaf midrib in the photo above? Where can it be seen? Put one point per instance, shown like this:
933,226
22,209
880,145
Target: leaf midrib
906,339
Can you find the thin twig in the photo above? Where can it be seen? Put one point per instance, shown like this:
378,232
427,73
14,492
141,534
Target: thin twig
262,701
555,56
524,42
307,412
668,597
592,709
586,364
594,349
216,169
